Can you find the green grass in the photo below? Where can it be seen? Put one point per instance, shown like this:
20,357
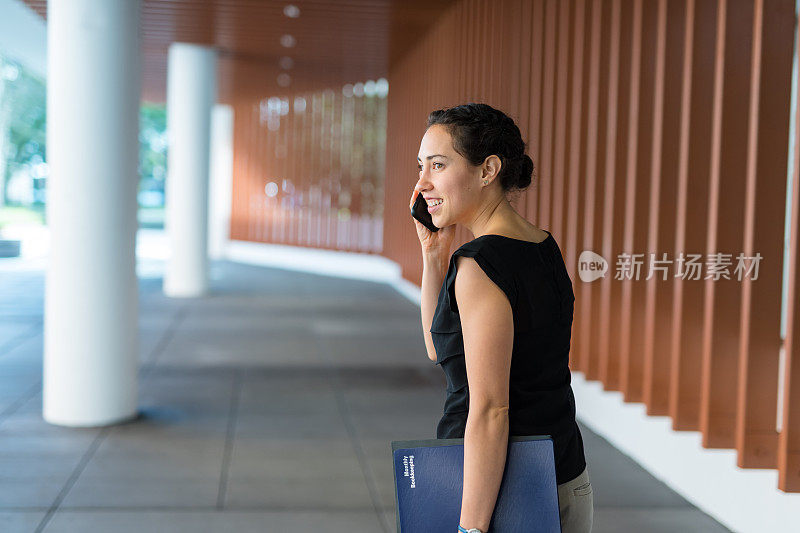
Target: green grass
12,215
151,217
21,215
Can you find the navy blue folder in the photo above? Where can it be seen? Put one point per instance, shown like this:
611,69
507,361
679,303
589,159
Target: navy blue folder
428,479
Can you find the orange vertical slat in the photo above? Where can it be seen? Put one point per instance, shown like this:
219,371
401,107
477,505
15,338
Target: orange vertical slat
543,217
523,36
304,181
765,198
292,143
510,54
618,175
594,212
561,116
575,148
610,187
588,363
691,219
722,304
535,110
636,205
666,131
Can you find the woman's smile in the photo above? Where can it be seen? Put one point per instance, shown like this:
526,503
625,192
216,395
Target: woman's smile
436,203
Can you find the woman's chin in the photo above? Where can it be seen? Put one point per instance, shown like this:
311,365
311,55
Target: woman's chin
440,220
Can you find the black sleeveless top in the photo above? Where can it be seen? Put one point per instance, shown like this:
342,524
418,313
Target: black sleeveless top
535,280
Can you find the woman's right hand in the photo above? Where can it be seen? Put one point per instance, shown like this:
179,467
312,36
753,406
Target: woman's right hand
435,244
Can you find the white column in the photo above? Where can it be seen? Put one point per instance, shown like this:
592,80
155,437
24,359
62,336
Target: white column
191,92
221,181
90,314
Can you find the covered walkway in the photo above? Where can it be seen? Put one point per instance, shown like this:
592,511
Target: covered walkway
268,405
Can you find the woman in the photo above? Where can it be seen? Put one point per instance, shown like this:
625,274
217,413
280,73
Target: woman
497,314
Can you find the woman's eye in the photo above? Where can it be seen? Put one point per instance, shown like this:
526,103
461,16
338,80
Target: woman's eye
437,163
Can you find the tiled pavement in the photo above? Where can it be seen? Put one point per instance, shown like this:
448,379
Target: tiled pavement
267,406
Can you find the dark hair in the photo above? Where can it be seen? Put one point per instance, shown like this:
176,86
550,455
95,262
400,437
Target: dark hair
478,131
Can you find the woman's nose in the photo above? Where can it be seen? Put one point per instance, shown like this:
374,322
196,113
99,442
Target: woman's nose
423,180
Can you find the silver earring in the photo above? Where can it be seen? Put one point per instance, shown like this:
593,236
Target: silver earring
485,182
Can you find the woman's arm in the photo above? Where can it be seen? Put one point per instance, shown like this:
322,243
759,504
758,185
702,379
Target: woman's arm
485,445
435,260
434,269
487,325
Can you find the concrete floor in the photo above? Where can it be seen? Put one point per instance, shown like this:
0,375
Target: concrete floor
267,406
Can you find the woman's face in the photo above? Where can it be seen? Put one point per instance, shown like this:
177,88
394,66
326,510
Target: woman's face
447,177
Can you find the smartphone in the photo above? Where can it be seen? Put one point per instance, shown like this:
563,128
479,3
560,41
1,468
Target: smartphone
420,212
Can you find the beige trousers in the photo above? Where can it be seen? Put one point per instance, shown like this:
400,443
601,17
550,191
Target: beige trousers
575,504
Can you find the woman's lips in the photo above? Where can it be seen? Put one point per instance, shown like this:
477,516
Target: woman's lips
432,208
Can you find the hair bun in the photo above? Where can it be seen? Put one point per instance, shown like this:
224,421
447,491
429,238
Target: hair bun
526,172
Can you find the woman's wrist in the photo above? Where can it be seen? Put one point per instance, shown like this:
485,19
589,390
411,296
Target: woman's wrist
434,262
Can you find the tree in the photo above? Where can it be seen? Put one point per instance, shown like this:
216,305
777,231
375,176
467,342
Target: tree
23,133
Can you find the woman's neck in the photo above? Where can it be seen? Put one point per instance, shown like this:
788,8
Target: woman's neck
498,218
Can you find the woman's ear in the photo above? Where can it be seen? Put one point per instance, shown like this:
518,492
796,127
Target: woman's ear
490,168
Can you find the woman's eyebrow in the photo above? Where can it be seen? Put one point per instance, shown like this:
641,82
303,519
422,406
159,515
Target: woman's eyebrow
434,155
